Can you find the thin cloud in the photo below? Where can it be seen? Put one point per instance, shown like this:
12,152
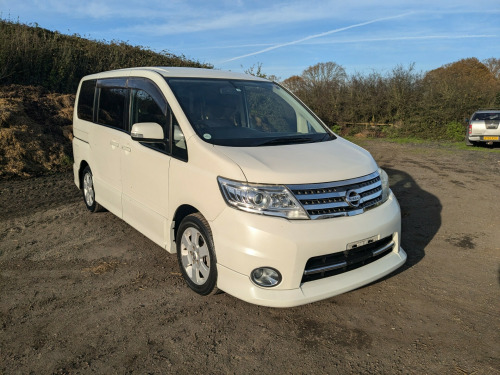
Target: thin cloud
210,19
316,36
404,38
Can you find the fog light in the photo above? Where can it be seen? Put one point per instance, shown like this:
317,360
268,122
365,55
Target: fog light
266,277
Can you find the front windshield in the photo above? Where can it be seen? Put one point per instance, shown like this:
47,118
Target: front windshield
246,113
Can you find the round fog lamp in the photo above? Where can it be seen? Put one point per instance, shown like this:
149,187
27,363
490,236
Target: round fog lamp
266,277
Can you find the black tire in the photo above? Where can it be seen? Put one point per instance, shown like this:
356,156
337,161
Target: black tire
89,192
467,142
195,254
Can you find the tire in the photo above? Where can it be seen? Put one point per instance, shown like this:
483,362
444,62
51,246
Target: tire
467,141
195,254
89,192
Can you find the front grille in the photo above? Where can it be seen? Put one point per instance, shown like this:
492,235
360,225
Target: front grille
334,264
330,199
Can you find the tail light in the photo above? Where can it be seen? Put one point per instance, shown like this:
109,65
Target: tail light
470,129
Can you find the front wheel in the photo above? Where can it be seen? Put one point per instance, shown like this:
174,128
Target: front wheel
195,254
89,192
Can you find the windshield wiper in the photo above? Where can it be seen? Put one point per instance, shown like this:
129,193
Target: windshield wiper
287,140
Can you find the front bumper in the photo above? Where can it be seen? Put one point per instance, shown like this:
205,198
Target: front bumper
245,241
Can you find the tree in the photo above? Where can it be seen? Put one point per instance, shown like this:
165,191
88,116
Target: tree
493,66
454,91
321,87
257,72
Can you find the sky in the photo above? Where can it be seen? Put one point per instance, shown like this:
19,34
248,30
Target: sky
284,37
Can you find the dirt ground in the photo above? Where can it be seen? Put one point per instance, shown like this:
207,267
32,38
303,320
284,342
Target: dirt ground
83,292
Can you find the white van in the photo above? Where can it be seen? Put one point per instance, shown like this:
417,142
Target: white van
254,193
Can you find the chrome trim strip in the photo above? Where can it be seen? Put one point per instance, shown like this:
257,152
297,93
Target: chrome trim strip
325,268
385,248
335,194
328,216
371,196
325,206
325,185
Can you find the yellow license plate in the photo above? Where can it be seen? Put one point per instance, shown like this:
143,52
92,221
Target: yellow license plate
490,138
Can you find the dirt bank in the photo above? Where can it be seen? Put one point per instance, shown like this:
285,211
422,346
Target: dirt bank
35,131
83,292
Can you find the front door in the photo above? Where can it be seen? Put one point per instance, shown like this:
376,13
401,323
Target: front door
144,166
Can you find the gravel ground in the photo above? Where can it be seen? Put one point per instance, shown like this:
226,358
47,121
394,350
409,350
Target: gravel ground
82,293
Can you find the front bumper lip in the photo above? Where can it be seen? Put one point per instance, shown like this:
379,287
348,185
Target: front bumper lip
240,285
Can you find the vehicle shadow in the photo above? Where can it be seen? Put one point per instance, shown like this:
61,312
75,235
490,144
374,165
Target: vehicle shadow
420,214
494,146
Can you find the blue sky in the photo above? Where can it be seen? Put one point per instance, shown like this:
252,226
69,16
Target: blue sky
285,37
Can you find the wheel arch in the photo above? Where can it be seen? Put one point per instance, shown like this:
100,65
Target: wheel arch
181,212
83,165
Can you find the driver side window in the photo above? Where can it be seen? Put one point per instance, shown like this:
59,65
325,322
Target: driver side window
144,108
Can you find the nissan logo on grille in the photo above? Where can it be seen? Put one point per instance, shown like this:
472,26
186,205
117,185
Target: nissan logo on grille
352,198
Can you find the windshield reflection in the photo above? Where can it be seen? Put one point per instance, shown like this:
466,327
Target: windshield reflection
246,113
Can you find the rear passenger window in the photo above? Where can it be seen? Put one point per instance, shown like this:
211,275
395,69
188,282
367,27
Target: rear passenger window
112,102
85,109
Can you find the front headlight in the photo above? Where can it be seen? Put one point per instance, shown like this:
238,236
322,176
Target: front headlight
384,179
274,200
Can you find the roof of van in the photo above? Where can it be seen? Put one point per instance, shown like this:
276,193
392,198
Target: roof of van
187,73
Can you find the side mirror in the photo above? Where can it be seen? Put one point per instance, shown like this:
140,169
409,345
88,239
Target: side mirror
147,132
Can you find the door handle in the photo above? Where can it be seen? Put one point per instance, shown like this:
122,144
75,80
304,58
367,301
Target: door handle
126,148
114,143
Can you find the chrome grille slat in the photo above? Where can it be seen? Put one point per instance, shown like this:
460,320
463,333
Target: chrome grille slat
339,192
327,200
323,206
320,267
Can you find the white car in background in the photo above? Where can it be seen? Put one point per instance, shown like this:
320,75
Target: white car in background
483,127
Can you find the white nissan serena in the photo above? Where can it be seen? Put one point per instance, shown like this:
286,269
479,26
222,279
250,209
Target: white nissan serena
254,193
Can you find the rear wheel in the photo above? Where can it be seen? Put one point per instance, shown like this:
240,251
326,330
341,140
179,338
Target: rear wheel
89,192
195,254
467,141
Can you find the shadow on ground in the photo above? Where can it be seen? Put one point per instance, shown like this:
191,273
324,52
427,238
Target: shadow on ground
420,214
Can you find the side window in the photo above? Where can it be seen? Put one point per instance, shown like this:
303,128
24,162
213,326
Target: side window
146,109
85,110
112,103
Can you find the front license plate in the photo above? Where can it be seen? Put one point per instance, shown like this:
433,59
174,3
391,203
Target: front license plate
366,241
490,138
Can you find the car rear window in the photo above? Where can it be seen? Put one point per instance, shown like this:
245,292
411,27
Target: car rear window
482,116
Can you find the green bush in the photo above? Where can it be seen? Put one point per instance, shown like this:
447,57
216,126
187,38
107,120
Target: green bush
455,131
31,55
336,129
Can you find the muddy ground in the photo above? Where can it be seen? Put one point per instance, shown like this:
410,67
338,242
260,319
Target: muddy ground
83,292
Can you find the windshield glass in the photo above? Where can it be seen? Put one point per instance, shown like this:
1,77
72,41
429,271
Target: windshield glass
486,116
246,113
